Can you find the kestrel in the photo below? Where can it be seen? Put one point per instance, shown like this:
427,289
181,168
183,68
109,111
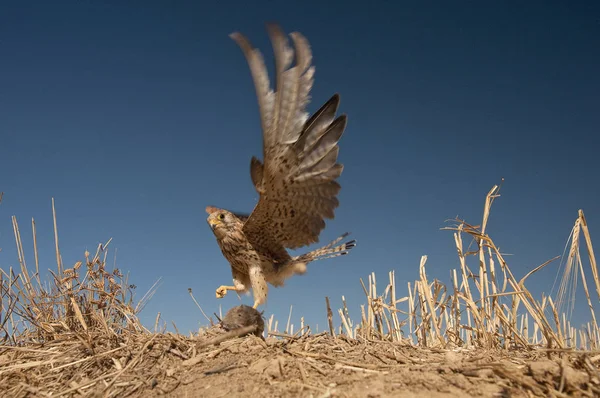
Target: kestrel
297,181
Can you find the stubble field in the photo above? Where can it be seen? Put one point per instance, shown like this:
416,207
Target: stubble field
483,334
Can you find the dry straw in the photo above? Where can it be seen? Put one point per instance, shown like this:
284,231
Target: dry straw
484,307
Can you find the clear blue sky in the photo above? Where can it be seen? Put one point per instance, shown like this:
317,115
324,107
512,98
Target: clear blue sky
136,115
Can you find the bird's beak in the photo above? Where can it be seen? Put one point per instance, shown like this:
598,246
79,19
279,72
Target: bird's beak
213,223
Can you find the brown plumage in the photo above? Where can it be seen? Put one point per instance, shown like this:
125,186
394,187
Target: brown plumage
297,181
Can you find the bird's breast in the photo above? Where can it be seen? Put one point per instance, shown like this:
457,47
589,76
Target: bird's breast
239,254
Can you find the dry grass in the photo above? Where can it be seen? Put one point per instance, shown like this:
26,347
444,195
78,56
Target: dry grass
486,307
78,334
81,299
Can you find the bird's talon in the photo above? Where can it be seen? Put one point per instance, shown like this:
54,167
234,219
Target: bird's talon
221,292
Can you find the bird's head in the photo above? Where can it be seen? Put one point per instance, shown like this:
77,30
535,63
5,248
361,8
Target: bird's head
221,221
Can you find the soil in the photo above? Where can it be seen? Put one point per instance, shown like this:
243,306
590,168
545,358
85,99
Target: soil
321,366
215,364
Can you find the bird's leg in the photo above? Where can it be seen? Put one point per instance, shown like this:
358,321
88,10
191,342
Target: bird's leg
259,285
240,284
222,290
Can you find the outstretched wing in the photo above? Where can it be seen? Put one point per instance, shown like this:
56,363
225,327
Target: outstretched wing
297,182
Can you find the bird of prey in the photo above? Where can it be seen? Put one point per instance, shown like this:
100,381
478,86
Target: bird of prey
296,181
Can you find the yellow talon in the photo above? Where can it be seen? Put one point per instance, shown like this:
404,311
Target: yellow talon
222,291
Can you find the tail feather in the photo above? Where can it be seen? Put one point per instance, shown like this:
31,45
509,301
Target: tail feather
297,265
329,251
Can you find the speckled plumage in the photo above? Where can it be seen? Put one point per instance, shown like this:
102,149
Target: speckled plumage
297,181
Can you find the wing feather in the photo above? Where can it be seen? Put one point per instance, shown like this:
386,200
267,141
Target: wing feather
256,173
296,183
325,146
260,76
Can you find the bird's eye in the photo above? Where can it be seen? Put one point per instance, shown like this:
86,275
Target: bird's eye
221,216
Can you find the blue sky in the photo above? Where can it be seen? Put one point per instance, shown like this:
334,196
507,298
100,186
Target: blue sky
136,115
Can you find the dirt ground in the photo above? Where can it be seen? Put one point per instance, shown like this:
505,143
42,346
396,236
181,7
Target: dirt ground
321,366
308,366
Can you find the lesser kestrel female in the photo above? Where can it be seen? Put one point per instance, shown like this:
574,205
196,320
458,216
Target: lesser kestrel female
297,181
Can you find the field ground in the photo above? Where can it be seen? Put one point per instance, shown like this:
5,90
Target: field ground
310,365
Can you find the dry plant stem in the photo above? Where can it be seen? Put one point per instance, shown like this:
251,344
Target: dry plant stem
287,327
429,300
229,335
590,249
329,317
58,257
393,303
345,323
587,295
35,253
198,305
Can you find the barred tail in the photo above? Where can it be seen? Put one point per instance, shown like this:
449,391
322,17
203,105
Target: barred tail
328,251
297,265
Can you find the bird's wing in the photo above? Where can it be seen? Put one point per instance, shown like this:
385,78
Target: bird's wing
297,182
